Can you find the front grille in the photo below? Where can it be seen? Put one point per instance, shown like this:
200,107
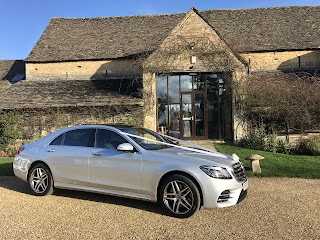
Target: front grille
224,196
238,172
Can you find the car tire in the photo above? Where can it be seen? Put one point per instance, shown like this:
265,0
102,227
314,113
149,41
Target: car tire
40,180
179,196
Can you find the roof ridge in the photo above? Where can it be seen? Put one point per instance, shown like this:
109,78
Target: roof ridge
256,8
117,17
179,13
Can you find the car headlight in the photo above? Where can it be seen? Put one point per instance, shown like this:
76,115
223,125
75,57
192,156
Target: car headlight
216,172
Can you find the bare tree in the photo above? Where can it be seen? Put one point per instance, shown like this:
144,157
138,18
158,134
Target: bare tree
290,99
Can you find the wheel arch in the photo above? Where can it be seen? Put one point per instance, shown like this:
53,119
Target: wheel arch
176,172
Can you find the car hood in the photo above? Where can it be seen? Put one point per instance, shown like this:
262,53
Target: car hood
177,154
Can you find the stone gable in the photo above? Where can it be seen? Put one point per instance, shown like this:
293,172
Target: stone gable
193,45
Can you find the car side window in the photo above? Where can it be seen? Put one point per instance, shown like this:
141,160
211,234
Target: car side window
108,139
79,137
57,140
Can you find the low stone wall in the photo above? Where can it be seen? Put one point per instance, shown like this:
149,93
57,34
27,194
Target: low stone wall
36,123
293,138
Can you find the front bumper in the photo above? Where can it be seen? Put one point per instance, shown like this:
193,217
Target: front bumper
219,193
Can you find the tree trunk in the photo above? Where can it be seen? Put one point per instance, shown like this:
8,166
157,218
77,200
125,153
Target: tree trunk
287,132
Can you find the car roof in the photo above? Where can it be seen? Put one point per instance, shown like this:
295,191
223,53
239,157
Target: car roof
109,125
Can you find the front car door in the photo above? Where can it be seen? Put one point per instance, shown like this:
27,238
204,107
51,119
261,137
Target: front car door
112,170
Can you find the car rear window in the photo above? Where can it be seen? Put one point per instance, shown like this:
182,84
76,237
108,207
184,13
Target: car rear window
57,140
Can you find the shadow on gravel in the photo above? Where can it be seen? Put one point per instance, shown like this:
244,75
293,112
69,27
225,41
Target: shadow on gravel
17,185
14,184
95,197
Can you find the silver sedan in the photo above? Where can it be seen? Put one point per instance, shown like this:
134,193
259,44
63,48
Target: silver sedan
134,163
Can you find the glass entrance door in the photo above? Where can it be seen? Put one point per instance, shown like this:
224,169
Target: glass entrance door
193,124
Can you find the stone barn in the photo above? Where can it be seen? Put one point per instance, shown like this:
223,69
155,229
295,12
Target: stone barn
172,73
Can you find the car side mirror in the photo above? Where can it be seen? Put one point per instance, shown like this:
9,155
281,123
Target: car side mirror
125,147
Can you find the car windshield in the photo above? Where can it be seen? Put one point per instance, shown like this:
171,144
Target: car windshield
149,138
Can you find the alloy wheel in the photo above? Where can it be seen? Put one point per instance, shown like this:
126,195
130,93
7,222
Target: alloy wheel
39,180
178,197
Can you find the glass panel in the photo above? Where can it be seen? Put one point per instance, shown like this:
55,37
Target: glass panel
174,120
199,83
57,141
163,118
108,139
199,114
212,101
186,83
162,97
187,115
162,94
173,86
80,137
174,106
226,108
148,143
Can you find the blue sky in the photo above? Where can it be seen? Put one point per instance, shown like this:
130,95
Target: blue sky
23,21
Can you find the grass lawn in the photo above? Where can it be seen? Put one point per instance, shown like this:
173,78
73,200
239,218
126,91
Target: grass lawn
6,166
276,164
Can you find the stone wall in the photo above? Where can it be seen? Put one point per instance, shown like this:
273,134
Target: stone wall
264,61
150,97
36,123
83,69
288,60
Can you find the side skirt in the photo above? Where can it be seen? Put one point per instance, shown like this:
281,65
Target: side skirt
105,191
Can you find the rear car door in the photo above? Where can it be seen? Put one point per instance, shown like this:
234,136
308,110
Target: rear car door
68,156
114,170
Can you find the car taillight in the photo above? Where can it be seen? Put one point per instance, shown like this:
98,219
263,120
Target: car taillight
20,150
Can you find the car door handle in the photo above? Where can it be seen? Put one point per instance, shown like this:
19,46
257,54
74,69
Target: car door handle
51,150
97,153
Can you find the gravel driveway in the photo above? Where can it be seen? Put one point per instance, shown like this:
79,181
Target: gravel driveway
276,208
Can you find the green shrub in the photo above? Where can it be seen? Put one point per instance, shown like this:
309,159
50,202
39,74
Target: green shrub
283,147
254,140
271,143
12,149
306,146
259,139
10,129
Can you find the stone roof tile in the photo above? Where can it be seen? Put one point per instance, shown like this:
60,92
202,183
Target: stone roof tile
246,30
62,93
